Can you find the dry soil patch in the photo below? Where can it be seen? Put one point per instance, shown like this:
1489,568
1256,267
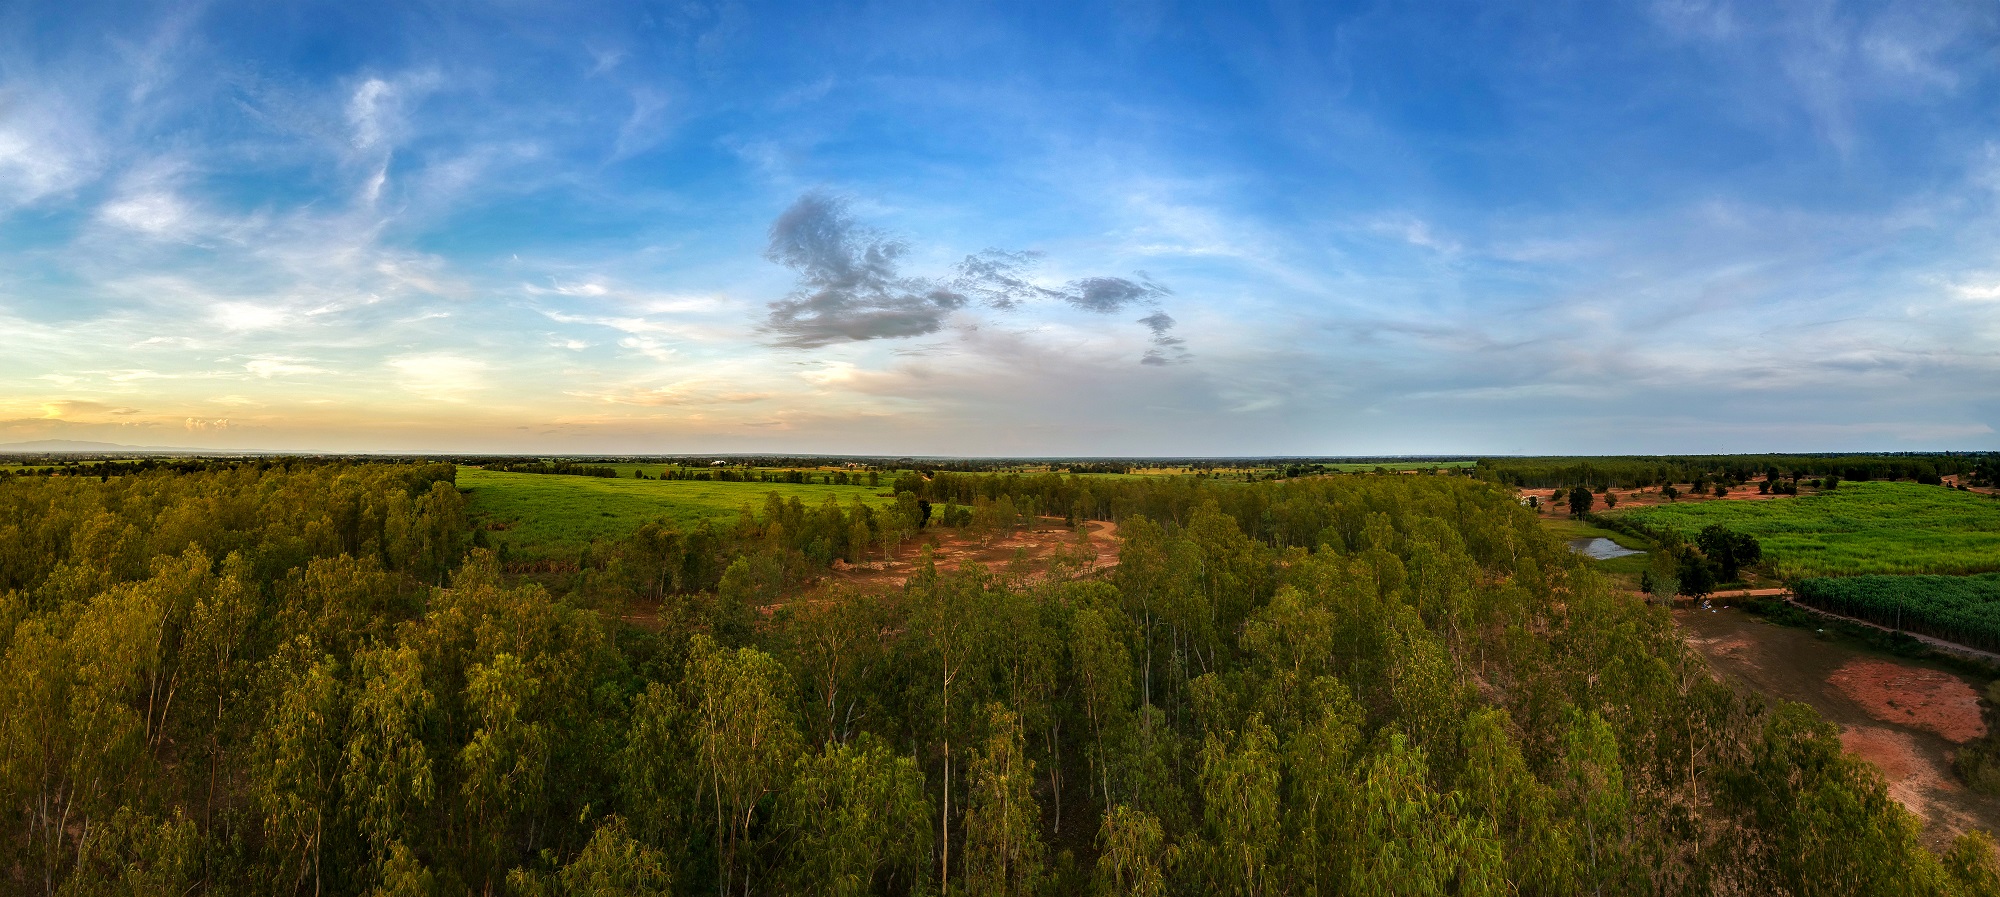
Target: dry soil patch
1853,689
1922,698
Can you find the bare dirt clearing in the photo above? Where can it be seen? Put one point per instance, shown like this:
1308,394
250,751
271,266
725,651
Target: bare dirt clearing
1032,547
1903,716
1955,481
1927,699
1554,502
1029,552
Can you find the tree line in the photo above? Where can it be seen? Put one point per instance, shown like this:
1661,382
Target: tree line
1643,472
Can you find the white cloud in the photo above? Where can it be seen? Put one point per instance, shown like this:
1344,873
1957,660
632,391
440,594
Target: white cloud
440,375
592,288
42,152
157,213
240,316
649,347
1978,292
371,111
1416,232
279,366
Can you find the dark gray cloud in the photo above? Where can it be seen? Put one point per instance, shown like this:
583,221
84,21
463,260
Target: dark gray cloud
1109,294
851,287
1167,348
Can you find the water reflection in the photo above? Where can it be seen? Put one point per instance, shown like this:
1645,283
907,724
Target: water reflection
1601,548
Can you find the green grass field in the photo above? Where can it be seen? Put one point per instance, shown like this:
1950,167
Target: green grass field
548,514
1858,528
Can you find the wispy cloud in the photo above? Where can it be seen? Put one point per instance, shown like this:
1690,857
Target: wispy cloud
1373,226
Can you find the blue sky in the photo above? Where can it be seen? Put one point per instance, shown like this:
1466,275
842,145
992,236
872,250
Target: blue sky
1021,228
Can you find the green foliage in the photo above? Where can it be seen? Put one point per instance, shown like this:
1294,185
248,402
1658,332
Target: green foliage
1862,528
1133,855
1635,472
613,864
254,679
1964,609
1580,499
552,516
858,820
1003,844
1729,551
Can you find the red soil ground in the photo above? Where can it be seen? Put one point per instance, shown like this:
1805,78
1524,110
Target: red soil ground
1926,699
1553,505
1035,547
1906,717
1915,781
1030,551
1952,481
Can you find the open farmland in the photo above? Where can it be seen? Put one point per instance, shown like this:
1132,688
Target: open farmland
1856,529
544,513
1963,609
816,474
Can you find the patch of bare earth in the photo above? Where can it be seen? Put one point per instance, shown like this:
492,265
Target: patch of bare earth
1905,717
1954,482
1554,502
1926,699
1736,648
1913,778
1035,548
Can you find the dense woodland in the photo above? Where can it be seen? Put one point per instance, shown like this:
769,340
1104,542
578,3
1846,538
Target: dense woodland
1641,472
297,679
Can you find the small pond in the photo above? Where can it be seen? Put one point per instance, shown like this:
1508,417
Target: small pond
1601,548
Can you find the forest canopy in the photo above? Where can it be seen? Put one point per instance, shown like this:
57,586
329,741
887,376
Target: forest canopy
311,678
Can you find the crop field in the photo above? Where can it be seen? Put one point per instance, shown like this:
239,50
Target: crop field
1857,529
546,513
1964,609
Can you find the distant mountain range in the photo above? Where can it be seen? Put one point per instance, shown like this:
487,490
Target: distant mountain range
77,446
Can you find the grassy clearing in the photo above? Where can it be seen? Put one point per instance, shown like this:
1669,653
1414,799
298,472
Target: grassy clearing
545,514
1858,528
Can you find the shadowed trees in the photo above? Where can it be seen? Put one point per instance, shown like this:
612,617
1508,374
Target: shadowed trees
258,680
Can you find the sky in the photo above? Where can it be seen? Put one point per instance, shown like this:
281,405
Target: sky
1127,228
